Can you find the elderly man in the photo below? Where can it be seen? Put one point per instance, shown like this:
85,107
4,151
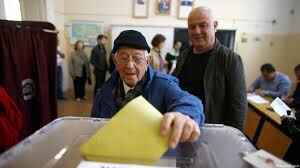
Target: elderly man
212,72
133,77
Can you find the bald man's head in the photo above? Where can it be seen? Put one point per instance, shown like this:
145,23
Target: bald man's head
201,28
201,10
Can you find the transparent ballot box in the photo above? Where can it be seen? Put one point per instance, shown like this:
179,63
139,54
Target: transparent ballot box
57,146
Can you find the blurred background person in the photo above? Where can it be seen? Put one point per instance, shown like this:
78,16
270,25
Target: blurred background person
271,83
79,70
59,72
98,61
157,61
172,56
294,100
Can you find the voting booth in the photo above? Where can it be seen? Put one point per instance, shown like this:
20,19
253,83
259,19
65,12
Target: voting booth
57,145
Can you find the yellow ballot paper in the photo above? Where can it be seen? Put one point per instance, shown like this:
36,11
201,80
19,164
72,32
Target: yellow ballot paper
131,136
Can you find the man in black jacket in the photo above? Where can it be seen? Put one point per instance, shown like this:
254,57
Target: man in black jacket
212,72
98,60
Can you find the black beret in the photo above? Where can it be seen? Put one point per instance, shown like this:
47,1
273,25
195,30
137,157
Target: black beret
130,38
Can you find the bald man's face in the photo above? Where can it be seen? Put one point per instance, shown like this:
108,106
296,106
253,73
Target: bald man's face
201,30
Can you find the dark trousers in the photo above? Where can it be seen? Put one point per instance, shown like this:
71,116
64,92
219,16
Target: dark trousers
59,84
79,87
100,79
170,64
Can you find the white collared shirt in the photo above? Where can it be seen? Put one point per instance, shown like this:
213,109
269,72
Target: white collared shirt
126,87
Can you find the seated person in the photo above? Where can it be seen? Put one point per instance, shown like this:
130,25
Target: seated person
271,83
183,113
294,100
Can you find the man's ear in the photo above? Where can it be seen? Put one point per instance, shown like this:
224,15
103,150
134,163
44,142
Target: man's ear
148,58
216,25
114,58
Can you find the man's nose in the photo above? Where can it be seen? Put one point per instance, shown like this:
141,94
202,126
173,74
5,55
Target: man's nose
130,64
197,29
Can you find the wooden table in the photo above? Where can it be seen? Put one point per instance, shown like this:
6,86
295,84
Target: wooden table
263,128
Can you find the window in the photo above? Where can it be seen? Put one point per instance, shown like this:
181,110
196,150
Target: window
12,10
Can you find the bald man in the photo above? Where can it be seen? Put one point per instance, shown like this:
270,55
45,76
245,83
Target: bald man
212,72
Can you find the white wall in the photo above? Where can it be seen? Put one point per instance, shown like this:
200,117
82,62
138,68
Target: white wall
296,18
55,10
293,49
2,12
33,10
250,15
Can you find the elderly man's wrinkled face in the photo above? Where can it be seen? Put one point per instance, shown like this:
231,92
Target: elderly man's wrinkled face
131,64
201,29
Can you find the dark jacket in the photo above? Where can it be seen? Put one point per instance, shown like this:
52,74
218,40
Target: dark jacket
79,60
224,85
296,96
98,58
161,90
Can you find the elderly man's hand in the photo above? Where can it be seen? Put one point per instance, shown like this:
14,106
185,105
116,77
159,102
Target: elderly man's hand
180,127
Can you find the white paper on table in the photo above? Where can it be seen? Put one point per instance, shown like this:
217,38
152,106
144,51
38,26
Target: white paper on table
280,107
90,164
256,99
263,159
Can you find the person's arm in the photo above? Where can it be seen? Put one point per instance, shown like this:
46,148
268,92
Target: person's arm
173,67
178,65
93,57
61,54
87,65
283,89
181,101
255,85
184,115
72,66
236,93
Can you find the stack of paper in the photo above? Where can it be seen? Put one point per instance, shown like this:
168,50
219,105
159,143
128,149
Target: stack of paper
263,159
131,136
280,107
256,99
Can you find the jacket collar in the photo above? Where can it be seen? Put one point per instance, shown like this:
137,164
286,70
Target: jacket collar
113,82
186,55
216,46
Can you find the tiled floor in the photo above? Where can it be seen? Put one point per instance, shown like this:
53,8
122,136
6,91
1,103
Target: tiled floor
70,107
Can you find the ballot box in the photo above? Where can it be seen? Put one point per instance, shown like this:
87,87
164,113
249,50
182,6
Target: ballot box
57,144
